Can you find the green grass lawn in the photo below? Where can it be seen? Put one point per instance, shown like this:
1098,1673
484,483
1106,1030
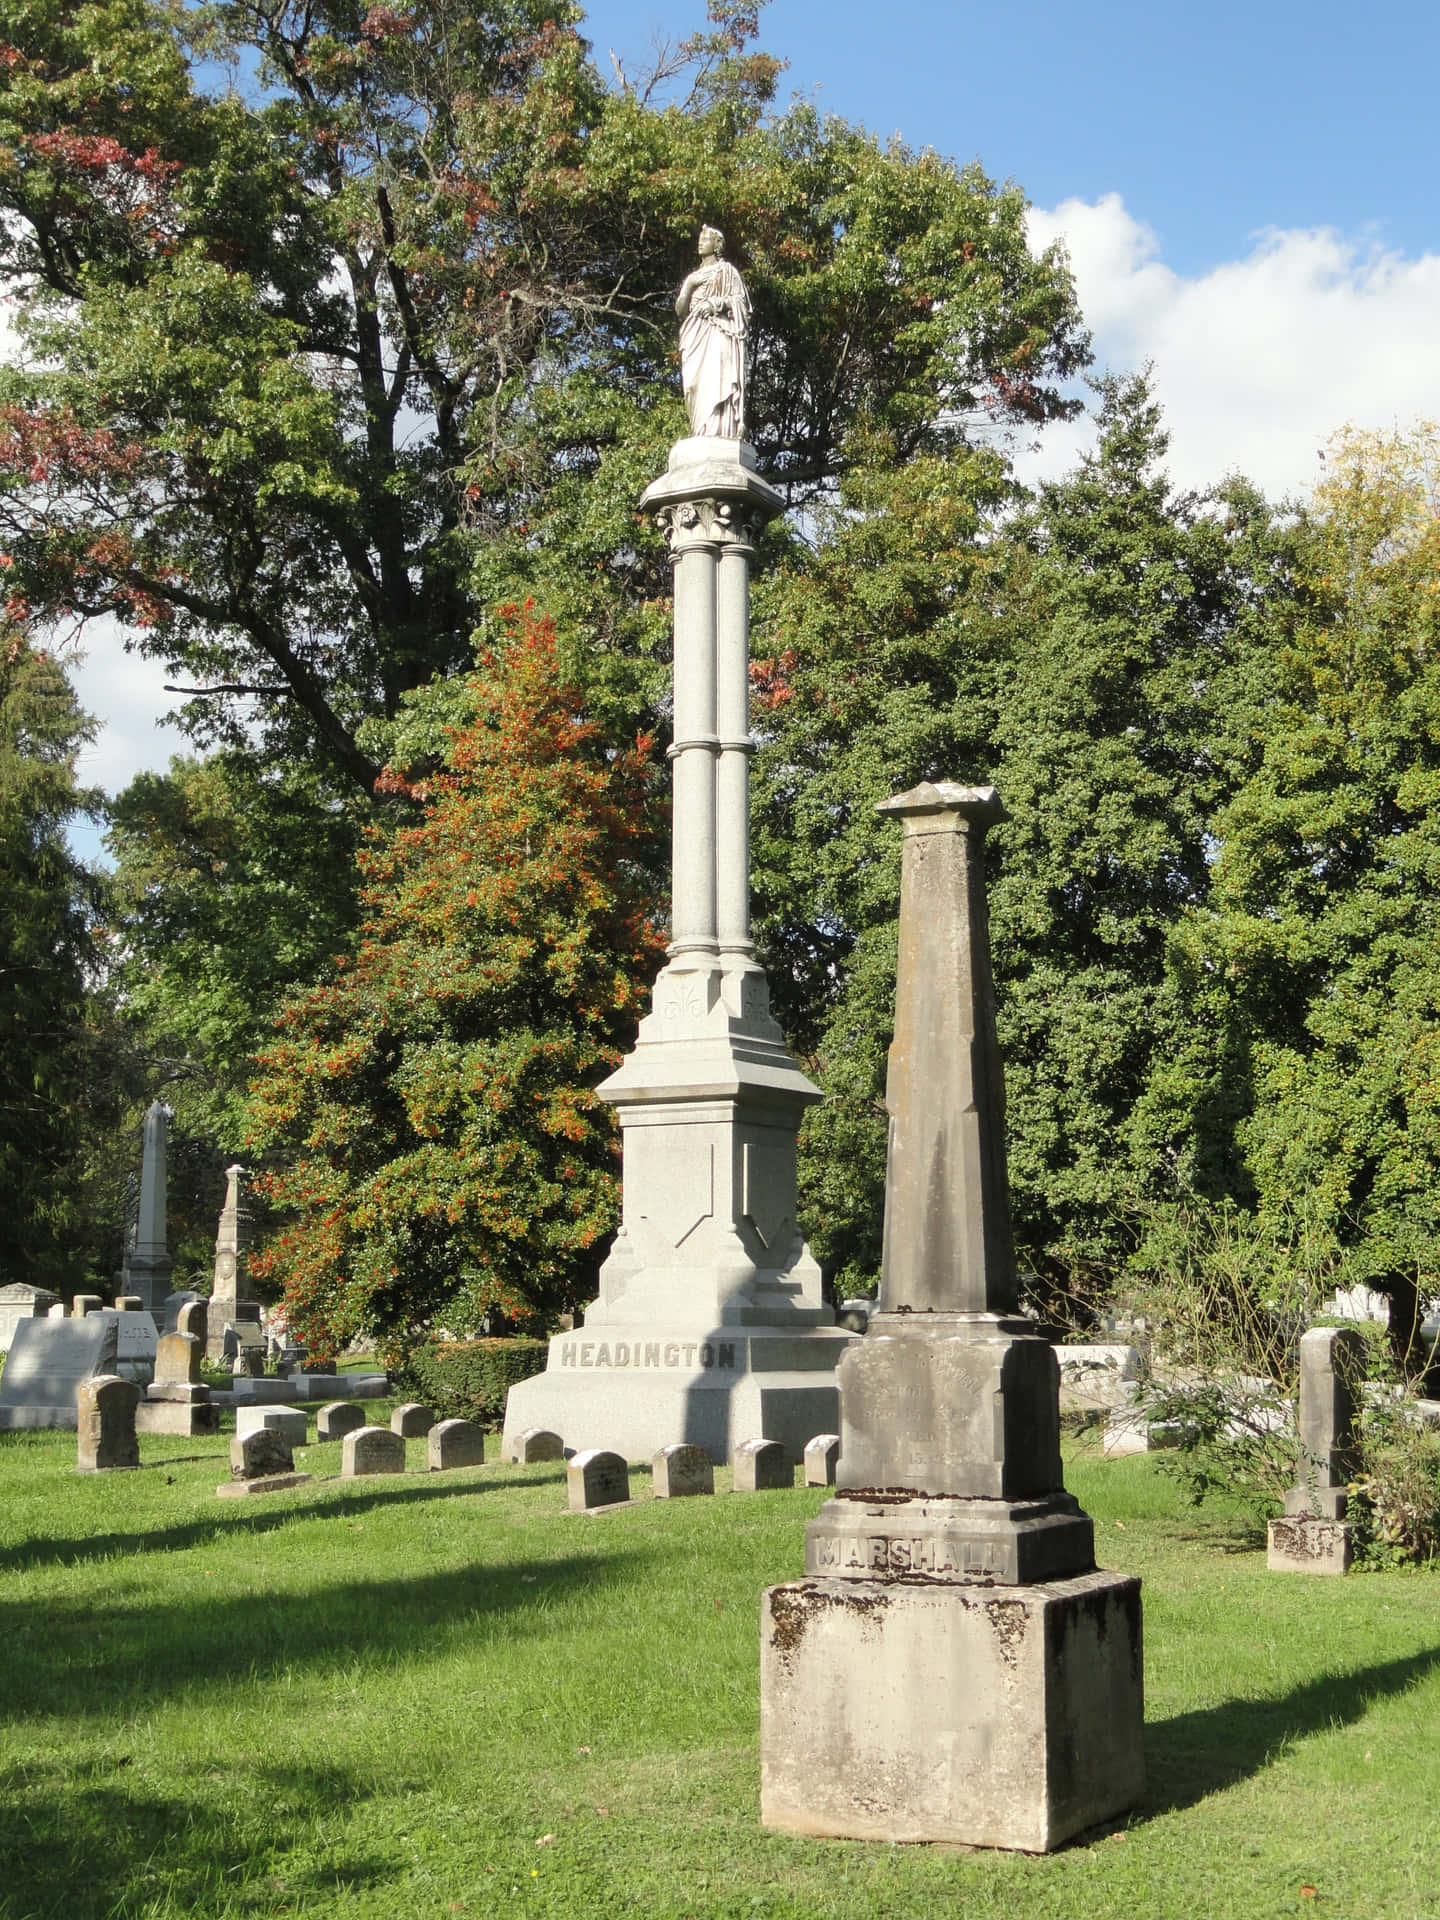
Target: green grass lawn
439,1695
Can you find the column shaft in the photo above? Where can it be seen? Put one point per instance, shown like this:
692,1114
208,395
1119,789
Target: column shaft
693,754
732,773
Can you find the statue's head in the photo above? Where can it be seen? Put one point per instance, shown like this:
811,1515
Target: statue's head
712,240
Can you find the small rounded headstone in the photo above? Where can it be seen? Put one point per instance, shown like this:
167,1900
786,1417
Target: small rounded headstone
536,1443
411,1421
177,1359
371,1450
264,1450
822,1455
105,1423
682,1469
455,1443
761,1466
597,1479
337,1418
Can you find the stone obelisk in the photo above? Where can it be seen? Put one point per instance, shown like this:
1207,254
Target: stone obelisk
710,1326
148,1264
952,1666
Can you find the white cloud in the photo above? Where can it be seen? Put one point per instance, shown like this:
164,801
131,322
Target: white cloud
1258,360
126,694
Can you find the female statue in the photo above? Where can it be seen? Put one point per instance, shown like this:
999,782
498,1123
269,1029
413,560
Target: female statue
714,311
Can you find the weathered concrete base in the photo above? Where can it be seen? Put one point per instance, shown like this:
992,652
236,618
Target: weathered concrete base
1018,1542
1308,1545
267,1483
986,1715
177,1416
781,1386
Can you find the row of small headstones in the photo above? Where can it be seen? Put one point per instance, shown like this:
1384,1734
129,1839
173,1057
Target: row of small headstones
596,1478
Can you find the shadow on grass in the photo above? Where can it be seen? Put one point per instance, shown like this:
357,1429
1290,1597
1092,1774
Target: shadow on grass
1196,1754
114,1652
324,1500
74,1842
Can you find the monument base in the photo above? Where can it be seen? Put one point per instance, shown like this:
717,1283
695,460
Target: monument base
177,1416
709,1388
1308,1544
983,1715
1016,1542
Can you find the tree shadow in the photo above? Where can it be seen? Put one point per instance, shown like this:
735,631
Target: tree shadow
1193,1755
323,1500
73,1842
152,1647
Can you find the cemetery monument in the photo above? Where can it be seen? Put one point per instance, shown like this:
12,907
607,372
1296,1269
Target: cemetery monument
710,1327
147,1263
952,1666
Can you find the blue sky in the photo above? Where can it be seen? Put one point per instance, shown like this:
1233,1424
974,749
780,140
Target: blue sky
1212,123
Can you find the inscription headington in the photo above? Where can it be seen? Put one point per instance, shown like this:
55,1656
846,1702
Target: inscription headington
717,1354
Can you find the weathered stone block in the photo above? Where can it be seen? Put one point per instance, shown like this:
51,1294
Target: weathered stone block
821,1457
291,1421
177,1359
371,1450
1306,1544
597,1479
128,1303
337,1418
535,1444
761,1466
266,1483
455,1443
411,1421
185,1417
84,1303
261,1451
105,1422
975,1714
680,1470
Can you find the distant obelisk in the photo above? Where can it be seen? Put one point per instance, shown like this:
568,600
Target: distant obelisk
148,1264
952,1667
710,1326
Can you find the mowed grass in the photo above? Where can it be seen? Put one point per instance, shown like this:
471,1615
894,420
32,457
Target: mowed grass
442,1694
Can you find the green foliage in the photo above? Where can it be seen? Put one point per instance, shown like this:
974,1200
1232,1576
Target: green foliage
428,1113
1395,1499
469,1379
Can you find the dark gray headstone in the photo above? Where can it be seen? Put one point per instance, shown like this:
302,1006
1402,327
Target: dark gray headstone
48,1360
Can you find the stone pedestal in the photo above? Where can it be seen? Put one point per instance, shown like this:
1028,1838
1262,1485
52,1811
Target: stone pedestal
953,1667
1314,1536
710,1327
1308,1544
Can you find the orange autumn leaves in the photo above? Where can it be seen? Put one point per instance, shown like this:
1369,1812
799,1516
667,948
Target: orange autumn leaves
429,1111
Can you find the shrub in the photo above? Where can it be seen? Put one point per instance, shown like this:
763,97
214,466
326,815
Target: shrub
1395,1498
469,1379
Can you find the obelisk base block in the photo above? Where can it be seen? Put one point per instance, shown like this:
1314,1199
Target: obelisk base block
1017,1542
983,1715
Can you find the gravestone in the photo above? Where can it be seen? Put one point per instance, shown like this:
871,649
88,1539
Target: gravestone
291,1421
174,1302
84,1304
105,1423
128,1303
148,1264
761,1466
193,1317
22,1302
711,1321
1314,1535
411,1421
136,1342
177,1400
534,1445
596,1478
228,1284
455,1443
58,1312
48,1360
242,1348
821,1458
260,1463
952,1667
371,1450
337,1418
681,1470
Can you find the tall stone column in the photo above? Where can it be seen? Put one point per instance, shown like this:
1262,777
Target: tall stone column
952,1667
710,1327
149,1265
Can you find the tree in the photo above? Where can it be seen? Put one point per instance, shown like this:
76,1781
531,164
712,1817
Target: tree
1317,957
428,1113
48,1080
1089,651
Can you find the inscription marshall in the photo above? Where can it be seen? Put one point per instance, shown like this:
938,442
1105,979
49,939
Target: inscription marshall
718,1354
901,1554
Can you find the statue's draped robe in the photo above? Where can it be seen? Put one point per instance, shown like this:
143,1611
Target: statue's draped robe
712,351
